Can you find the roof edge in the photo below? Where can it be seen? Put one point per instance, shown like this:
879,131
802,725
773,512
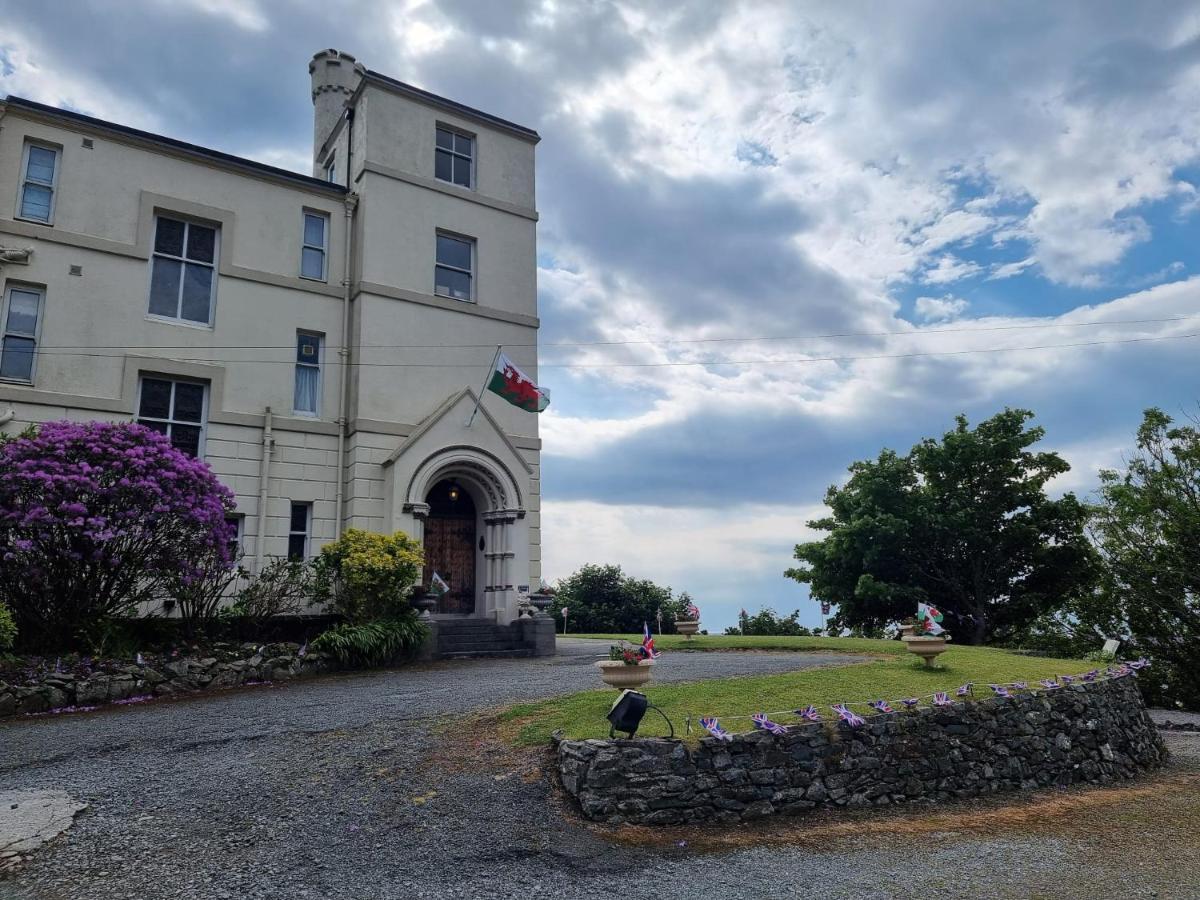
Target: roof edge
240,163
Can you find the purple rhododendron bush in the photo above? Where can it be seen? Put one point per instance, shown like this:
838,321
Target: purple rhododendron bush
98,517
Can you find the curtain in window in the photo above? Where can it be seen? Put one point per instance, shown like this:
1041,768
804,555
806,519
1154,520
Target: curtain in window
308,386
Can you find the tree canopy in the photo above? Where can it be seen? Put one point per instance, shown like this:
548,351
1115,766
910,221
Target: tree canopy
603,599
1148,529
962,522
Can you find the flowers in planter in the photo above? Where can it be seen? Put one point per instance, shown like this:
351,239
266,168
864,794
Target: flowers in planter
626,653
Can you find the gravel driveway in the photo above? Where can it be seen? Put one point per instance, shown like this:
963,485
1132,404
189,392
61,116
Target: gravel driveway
347,787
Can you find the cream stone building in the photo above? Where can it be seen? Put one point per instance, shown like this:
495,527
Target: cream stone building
319,340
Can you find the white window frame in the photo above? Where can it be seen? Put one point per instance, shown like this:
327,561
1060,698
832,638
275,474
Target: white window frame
308,527
53,185
170,420
331,169
319,365
37,326
304,245
455,155
184,261
470,273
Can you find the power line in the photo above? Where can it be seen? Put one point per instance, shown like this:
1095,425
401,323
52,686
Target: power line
654,342
655,365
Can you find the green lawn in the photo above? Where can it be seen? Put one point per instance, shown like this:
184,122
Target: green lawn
737,642
891,674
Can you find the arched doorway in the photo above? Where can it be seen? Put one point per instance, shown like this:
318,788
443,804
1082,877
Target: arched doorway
450,545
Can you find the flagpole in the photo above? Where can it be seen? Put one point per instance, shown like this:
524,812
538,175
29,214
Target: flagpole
486,379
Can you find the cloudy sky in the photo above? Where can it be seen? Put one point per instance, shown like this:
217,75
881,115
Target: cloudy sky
775,237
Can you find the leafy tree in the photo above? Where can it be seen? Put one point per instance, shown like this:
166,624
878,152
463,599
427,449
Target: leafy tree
769,622
962,522
603,599
97,517
1148,530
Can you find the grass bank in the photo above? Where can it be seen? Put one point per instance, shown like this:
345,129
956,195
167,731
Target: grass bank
890,673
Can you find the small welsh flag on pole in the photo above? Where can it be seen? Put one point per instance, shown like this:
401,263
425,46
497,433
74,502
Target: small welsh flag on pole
438,586
928,619
516,387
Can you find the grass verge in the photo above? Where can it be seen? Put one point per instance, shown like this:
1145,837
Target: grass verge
892,673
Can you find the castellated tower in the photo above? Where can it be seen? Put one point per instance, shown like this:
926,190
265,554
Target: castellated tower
335,76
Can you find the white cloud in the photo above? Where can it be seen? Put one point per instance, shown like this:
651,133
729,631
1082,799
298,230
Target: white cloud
940,309
245,14
1001,271
950,269
37,74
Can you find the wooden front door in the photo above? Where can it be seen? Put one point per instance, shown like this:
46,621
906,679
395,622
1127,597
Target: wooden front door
450,546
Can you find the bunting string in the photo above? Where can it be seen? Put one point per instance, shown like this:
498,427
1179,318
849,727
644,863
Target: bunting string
765,721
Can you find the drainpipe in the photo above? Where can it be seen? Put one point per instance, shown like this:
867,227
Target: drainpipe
264,475
344,351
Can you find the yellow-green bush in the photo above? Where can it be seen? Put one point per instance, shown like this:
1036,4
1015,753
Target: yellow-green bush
368,575
8,629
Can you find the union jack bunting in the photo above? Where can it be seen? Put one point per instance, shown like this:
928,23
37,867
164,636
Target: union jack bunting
713,727
1066,679
1020,685
760,720
941,698
1050,684
810,713
911,702
1142,663
1001,690
852,719
881,705
1092,675
964,690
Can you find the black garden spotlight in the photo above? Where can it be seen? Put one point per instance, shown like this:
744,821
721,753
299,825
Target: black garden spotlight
627,711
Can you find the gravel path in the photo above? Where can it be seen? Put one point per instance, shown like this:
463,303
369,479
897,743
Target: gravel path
347,787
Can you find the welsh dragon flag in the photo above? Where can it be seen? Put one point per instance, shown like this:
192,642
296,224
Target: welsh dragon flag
928,618
516,387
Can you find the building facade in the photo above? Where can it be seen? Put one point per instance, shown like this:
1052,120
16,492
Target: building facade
319,340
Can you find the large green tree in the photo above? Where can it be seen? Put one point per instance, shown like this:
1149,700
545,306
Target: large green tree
603,599
964,523
1148,529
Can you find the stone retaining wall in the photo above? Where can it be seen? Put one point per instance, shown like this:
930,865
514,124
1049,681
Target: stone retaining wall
1085,733
230,665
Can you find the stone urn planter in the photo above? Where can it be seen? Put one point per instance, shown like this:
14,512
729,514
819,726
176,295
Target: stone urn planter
621,675
928,647
687,628
422,601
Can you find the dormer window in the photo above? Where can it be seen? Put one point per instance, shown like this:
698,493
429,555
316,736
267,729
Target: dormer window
455,157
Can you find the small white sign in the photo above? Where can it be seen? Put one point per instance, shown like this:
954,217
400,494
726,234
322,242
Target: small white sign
1110,647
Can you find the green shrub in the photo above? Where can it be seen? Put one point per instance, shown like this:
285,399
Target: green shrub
8,629
284,587
375,643
367,575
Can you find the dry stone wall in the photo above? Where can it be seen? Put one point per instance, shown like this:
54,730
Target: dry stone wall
229,665
1084,733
